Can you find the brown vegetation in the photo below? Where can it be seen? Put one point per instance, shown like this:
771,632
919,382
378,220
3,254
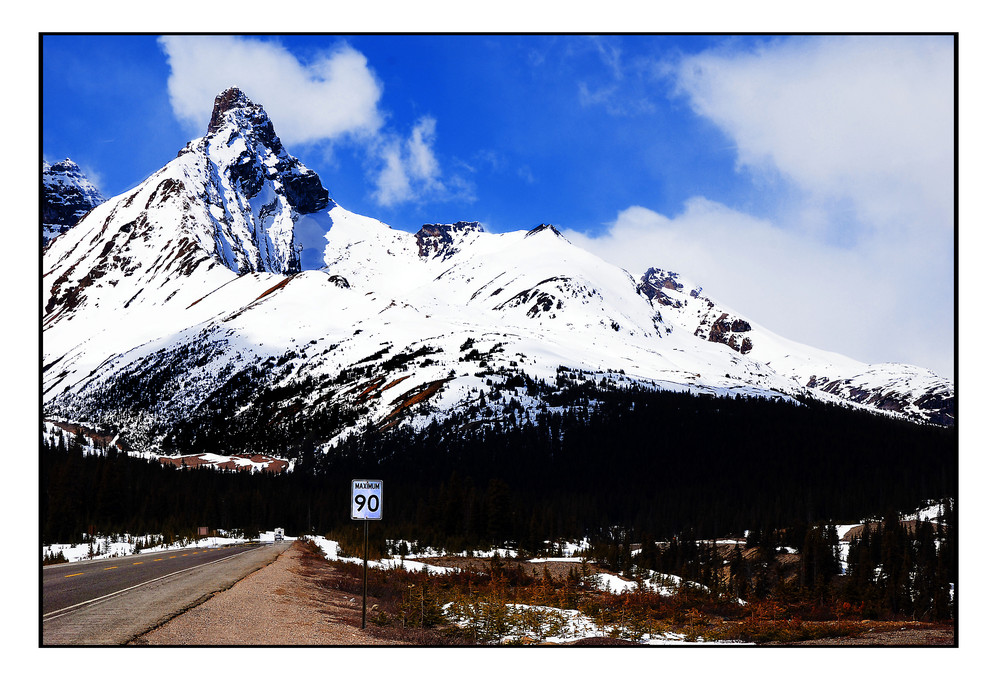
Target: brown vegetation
409,606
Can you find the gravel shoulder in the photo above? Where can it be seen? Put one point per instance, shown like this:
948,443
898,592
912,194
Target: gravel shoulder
912,637
281,604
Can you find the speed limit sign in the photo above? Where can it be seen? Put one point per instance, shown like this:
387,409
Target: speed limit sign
366,499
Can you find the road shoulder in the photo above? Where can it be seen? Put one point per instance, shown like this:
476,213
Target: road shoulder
276,605
118,619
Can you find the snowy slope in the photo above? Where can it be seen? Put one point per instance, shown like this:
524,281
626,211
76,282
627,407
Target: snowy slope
230,271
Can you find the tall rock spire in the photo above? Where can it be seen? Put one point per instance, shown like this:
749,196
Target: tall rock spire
236,115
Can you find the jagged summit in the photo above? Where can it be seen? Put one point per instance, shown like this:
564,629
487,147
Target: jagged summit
239,125
542,228
226,101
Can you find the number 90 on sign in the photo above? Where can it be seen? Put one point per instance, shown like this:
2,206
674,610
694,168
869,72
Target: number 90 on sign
366,499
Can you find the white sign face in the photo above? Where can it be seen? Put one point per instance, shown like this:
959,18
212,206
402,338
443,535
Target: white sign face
366,499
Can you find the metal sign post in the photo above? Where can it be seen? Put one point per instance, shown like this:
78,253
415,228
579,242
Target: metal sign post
366,503
364,590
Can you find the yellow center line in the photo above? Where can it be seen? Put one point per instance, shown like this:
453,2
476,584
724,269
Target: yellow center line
137,563
159,559
69,575
107,568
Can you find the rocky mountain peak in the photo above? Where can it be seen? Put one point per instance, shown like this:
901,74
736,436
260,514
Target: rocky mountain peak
66,167
542,228
234,116
68,195
229,100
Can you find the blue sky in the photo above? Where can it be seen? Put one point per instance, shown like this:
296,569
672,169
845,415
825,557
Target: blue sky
806,182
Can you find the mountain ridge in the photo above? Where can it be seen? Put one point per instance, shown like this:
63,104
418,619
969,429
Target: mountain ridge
232,270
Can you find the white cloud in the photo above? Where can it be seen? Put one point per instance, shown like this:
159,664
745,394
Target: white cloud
423,165
409,169
866,119
855,138
393,182
334,95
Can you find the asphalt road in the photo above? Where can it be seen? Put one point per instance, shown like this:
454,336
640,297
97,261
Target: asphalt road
109,602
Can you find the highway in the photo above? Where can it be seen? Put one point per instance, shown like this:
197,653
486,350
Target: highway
114,600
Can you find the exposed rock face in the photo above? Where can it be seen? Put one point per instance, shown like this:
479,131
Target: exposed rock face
234,113
440,239
731,333
655,284
229,100
941,405
665,288
67,196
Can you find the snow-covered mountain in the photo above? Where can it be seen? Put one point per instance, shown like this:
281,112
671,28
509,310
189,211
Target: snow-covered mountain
67,196
229,286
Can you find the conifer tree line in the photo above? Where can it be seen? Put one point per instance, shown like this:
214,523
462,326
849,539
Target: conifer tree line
904,569
652,462
656,463
891,570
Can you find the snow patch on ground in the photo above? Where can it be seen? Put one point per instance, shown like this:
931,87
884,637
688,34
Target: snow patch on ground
123,545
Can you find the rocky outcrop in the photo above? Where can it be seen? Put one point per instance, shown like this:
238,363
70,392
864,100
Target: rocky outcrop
656,283
439,240
732,333
665,288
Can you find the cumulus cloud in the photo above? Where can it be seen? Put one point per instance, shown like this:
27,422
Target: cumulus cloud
335,97
409,168
856,251
866,119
